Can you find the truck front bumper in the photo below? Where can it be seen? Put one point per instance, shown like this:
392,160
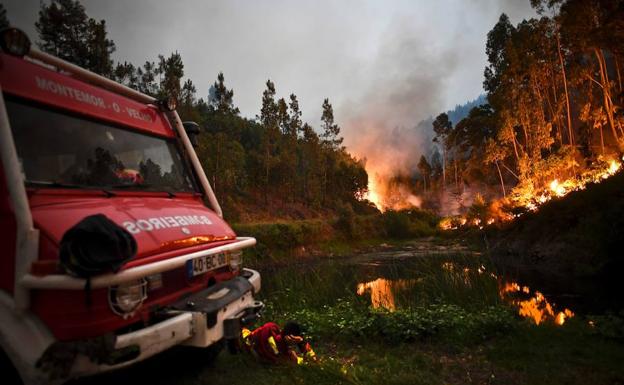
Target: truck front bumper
191,324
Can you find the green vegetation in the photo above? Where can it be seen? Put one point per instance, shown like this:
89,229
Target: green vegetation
450,326
279,240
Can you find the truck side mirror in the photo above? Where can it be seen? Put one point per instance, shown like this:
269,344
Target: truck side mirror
192,131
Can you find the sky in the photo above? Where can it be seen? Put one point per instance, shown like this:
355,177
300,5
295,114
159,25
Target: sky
384,65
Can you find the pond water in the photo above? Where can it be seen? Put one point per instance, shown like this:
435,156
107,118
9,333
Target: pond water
402,278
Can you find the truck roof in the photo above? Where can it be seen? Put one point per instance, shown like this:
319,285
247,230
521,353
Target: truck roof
32,81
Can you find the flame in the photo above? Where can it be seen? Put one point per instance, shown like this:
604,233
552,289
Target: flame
388,196
373,195
614,166
531,198
557,189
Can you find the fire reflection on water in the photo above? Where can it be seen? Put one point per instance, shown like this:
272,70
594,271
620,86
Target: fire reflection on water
382,291
535,307
530,305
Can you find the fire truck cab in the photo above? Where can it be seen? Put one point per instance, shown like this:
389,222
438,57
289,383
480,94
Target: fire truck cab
74,144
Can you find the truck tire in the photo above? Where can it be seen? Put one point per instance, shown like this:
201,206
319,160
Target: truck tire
206,356
10,376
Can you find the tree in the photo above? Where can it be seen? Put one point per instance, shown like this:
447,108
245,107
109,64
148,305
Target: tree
188,100
99,48
66,31
425,170
222,99
270,123
436,164
171,71
146,79
126,74
294,126
331,130
495,153
442,127
310,165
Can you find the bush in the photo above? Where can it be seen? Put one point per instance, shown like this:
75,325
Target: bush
354,320
286,235
409,223
397,224
346,221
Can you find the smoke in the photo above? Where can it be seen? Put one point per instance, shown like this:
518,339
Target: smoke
408,85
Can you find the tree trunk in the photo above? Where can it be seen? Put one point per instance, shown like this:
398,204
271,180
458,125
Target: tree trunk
456,183
605,92
515,147
443,166
601,141
565,89
500,175
554,116
266,176
617,70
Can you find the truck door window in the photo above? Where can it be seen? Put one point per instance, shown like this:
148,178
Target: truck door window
58,149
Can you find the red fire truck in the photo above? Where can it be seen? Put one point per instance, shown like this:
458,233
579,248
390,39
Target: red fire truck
74,144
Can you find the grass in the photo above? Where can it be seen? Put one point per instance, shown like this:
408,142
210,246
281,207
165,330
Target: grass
526,354
450,327
558,355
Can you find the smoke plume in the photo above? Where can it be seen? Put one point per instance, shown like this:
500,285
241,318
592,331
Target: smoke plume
410,76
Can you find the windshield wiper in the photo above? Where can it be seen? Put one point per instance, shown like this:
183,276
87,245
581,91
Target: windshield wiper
123,186
57,184
142,186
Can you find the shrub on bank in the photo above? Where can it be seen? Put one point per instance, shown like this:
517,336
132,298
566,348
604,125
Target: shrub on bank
286,235
409,223
347,227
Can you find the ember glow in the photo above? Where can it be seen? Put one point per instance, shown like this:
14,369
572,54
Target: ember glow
530,198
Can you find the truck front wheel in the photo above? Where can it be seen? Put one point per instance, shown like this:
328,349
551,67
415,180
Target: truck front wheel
10,375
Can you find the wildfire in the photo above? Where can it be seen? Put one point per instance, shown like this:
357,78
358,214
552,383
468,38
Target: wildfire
373,194
387,196
557,189
614,166
530,198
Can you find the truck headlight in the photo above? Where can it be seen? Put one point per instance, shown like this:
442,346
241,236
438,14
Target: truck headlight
128,297
236,260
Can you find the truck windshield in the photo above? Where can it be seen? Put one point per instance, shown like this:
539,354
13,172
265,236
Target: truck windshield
60,150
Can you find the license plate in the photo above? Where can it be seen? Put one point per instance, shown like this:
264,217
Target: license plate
200,265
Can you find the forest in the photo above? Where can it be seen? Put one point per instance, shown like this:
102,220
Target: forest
272,166
554,106
552,113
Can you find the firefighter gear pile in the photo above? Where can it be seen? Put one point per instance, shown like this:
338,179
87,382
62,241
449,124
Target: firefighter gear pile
272,344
